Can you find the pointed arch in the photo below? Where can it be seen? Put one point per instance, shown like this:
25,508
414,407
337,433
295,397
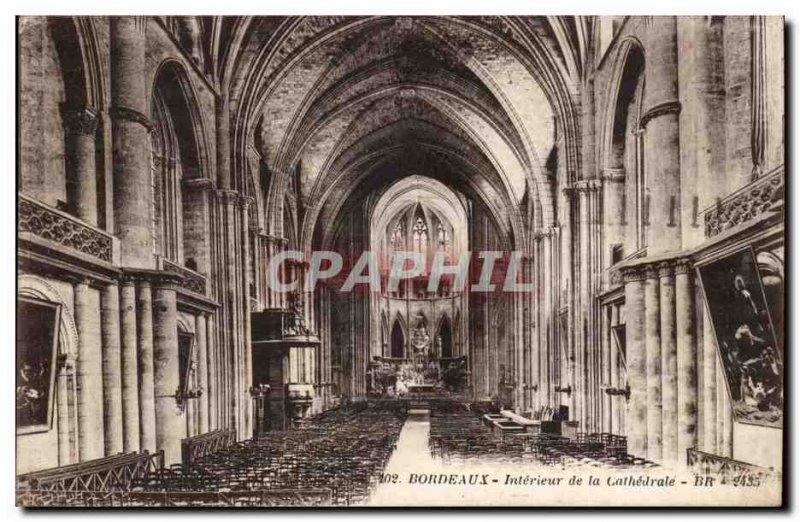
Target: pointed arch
398,340
628,71
444,337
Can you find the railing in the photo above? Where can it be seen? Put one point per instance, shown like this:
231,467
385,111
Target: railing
709,464
262,498
746,203
193,448
115,473
192,280
64,229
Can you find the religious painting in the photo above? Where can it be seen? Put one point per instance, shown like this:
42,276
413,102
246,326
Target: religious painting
37,349
748,350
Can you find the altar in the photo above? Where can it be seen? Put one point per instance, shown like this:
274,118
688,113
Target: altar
421,373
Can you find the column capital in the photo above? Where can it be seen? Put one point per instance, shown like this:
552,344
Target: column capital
665,269
79,122
131,115
227,196
651,271
199,184
151,278
282,241
683,266
613,175
633,273
246,201
660,109
166,280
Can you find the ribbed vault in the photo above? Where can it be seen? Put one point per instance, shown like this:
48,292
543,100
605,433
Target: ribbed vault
335,107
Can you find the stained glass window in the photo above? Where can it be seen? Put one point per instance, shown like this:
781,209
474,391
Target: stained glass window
420,235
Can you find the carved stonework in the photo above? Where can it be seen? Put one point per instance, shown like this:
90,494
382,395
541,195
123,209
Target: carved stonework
665,269
633,273
192,281
41,221
749,203
295,317
683,266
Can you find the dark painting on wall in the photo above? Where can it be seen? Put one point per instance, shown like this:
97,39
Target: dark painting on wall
37,341
748,350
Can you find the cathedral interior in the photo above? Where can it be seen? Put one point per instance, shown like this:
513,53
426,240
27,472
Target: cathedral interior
636,164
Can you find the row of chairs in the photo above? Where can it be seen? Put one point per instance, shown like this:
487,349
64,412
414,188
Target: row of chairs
463,437
342,451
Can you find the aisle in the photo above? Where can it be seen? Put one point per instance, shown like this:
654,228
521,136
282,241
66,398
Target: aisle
411,455
413,475
415,478
412,445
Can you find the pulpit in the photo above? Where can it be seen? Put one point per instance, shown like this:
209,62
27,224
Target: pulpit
285,360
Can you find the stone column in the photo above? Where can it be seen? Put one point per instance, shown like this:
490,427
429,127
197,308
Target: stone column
662,151
112,376
202,371
701,77
90,373
709,386
584,305
170,425
144,337
550,398
223,145
65,368
130,152
686,359
669,364
80,126
652,319
636,361
613,209
130,368
245,304
568,263
213,375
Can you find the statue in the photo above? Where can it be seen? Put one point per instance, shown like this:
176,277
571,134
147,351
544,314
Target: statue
420,340
295,316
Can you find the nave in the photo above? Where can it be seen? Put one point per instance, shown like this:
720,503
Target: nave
173,169
376,452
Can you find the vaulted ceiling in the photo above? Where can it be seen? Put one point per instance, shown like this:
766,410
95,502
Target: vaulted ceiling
349,105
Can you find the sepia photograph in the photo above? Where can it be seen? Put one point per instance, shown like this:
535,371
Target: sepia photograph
356,261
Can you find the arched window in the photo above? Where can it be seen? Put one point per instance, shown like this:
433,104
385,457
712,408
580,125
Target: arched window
165,165
627,147
443,237
175,160
398,238
420,234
